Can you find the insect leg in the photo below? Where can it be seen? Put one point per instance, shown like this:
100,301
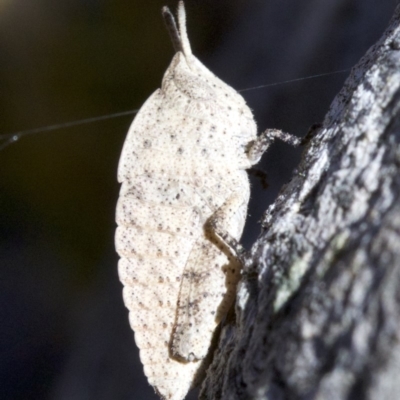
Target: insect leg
217,223
209,280
261,144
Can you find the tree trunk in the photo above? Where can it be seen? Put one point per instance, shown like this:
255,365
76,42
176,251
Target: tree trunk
318,308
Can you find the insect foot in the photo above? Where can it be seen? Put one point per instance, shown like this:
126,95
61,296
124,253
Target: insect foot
182,204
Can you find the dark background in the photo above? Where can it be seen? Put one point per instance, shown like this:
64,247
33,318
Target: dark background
64,332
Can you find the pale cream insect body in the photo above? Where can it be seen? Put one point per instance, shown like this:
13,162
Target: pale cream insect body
182,207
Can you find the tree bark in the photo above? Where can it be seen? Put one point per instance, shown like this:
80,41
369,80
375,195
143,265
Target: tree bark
318,307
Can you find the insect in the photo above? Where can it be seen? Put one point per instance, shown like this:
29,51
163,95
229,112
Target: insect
181,213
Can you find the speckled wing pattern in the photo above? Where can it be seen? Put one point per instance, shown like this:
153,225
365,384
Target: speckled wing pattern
182,167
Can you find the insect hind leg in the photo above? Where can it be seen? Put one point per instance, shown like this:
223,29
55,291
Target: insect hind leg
216,227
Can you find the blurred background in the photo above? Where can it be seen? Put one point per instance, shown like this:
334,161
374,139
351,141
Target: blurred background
64,332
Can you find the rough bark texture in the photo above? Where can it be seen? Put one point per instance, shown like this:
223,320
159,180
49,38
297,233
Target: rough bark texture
318,309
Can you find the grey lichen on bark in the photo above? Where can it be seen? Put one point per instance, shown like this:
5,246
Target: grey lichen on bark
318,307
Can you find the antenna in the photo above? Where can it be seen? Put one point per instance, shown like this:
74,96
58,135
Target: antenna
172,29
187,51
178,36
